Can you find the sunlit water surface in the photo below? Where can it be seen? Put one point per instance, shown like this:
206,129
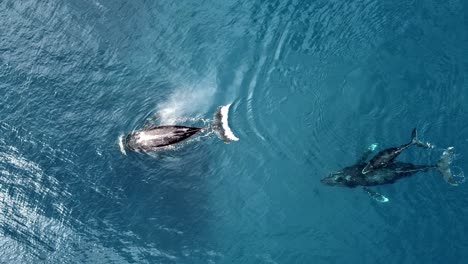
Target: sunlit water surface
312,84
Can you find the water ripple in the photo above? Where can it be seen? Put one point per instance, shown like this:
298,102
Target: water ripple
312,83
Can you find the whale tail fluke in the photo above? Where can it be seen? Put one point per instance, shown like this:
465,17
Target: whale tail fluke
443,165
221,126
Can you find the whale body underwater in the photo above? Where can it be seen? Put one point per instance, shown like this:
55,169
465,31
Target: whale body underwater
153,138
383,169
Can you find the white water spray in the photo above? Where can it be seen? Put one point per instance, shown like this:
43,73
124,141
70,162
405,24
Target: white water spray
186,101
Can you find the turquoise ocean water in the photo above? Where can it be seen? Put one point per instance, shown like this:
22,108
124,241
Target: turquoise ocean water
312,84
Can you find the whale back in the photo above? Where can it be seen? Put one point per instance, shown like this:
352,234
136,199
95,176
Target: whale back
151,138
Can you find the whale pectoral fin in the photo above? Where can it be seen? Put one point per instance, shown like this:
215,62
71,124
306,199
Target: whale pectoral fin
366,154
376,196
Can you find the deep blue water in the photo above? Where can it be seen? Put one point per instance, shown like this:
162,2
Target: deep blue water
312,83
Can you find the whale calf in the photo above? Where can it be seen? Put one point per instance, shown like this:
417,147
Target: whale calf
387,156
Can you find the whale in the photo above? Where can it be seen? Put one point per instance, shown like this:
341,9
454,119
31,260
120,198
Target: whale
352,176
386,170
156,137
387,156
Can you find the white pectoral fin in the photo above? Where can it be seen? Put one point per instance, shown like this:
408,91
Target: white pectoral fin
376,196
373,146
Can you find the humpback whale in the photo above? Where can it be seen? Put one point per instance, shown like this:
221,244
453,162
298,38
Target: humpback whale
385,170
387,156
152,138
352,176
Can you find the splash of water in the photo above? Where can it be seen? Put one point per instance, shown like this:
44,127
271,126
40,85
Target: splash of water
186,101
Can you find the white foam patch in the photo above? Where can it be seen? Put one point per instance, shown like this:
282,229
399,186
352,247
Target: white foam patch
186,101
224,121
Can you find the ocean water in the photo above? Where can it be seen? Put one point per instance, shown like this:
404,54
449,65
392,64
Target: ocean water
312,84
